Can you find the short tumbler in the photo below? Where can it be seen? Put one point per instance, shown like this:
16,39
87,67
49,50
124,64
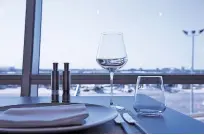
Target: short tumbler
149,96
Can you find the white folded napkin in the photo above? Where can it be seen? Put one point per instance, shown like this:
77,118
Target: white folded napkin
47,116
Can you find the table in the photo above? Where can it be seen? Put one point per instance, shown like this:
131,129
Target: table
171,122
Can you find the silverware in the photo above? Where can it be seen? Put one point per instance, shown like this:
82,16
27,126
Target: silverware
130,120
125,126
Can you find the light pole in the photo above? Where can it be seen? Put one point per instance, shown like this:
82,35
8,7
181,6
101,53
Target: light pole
192,34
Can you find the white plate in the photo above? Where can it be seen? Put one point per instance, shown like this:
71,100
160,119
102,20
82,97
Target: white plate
97,115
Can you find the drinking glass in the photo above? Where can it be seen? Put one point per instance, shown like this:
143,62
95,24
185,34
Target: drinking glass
111,54
149,96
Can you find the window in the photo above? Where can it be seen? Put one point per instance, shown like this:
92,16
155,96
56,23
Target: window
153,35
12,23
12,16
152,32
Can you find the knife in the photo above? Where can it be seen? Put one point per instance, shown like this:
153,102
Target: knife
125,126
130,120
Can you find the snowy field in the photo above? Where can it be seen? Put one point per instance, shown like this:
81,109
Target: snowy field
179,101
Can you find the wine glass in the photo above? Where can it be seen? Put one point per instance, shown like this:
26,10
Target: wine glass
111,55
150,96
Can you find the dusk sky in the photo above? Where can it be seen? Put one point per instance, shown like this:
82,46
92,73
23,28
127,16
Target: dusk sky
71,31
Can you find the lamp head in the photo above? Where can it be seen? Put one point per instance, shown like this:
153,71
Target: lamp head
185,32
201,31
193,31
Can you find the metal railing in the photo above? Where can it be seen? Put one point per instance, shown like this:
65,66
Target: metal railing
104,79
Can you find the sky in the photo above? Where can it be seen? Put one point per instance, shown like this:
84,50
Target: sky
71,31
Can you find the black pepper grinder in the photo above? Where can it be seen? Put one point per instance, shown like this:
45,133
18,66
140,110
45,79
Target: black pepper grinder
66,82
55,83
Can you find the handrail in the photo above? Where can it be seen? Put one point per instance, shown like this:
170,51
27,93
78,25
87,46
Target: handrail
105,79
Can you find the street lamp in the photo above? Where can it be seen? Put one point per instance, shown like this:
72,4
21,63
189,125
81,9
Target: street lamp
192,34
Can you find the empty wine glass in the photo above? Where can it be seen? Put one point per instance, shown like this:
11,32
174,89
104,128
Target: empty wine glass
111,54
150,96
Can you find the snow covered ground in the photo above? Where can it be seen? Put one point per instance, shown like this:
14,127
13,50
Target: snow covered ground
47,92
179,101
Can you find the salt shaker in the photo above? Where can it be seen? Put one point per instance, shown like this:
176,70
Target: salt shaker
66,84
55,83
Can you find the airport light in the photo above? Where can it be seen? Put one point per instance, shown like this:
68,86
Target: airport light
192,34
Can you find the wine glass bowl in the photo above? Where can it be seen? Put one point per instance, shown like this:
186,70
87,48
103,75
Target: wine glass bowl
112,64
111,54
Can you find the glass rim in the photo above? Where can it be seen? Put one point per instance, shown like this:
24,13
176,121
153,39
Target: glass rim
112,33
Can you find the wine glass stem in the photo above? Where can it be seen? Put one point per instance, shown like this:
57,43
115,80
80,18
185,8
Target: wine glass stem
111,83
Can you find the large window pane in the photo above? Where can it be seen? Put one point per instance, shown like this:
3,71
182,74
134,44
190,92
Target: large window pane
152,32
153,35
12,20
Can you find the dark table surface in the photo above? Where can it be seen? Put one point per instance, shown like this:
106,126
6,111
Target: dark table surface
170,122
